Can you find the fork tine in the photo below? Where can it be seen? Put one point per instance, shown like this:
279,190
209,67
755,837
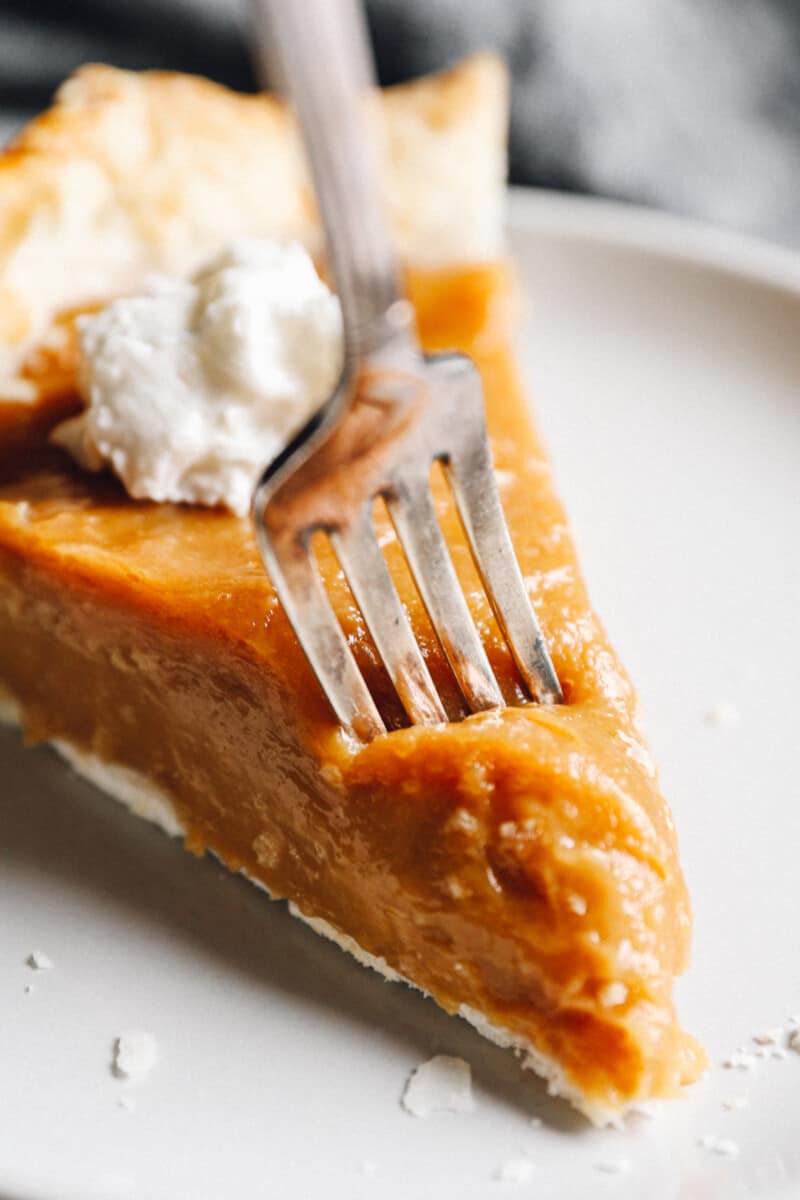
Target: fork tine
474,486
368,575
297,581
417,525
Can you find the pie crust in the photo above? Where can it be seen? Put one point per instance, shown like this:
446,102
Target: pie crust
135,172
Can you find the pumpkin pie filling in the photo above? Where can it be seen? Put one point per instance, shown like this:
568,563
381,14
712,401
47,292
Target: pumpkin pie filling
519,865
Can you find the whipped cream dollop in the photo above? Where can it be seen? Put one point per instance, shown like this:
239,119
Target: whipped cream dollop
193,386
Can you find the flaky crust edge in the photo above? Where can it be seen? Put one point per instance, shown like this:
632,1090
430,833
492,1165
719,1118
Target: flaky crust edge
134,172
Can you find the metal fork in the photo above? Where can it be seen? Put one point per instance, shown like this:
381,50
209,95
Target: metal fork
392,416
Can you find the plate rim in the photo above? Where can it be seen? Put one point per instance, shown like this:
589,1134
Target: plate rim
672,236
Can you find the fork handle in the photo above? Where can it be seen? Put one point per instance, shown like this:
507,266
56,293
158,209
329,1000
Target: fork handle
318,53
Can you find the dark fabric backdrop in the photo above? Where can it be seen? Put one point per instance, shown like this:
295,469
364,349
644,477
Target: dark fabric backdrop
692,105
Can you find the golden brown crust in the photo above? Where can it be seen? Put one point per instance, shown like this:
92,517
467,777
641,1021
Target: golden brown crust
132,172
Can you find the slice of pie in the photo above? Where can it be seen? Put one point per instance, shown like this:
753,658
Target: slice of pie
520,865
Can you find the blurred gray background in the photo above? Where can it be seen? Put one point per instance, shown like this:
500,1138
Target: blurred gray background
689,105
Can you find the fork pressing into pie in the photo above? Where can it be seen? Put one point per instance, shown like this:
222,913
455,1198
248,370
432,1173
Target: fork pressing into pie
393,416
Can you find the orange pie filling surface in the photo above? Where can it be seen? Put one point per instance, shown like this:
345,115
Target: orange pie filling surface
519,865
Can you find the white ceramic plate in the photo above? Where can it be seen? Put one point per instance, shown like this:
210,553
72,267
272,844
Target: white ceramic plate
666,365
